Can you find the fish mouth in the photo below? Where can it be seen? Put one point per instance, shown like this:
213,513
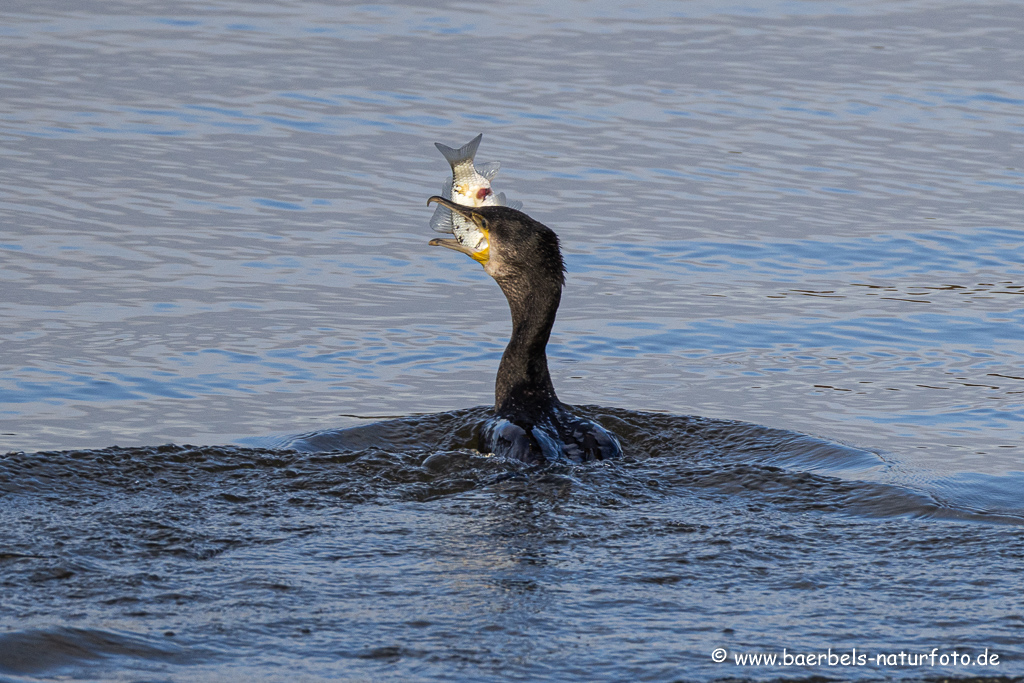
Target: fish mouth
481,256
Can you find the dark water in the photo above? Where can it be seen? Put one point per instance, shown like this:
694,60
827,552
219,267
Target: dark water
394,552
793,235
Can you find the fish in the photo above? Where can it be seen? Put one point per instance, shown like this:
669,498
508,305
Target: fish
469,185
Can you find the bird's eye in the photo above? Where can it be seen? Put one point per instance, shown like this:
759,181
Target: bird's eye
480,221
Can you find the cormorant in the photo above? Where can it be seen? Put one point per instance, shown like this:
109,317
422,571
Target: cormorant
530,423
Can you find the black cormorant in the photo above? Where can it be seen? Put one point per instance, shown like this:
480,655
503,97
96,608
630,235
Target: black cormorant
530,423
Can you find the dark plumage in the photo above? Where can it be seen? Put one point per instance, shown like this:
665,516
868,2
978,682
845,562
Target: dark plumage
529,423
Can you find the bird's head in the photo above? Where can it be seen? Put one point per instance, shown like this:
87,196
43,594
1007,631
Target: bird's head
514,246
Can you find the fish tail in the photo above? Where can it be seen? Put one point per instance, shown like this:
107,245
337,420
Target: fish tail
464,153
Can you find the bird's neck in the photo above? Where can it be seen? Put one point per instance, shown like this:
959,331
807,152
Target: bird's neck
523,387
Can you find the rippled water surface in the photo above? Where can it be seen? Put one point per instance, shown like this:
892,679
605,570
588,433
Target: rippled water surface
793,236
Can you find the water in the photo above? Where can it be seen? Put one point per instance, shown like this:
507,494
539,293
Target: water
792,231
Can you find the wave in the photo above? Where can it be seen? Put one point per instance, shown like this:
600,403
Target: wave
428,456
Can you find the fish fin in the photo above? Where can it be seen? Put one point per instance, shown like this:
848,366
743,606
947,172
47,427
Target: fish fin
464,153
501,200
489,170
441,221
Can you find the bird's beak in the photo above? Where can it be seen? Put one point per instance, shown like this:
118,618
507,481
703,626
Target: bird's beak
454,244
481,256
464,211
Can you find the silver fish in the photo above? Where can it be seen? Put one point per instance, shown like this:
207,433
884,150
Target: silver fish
469,186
